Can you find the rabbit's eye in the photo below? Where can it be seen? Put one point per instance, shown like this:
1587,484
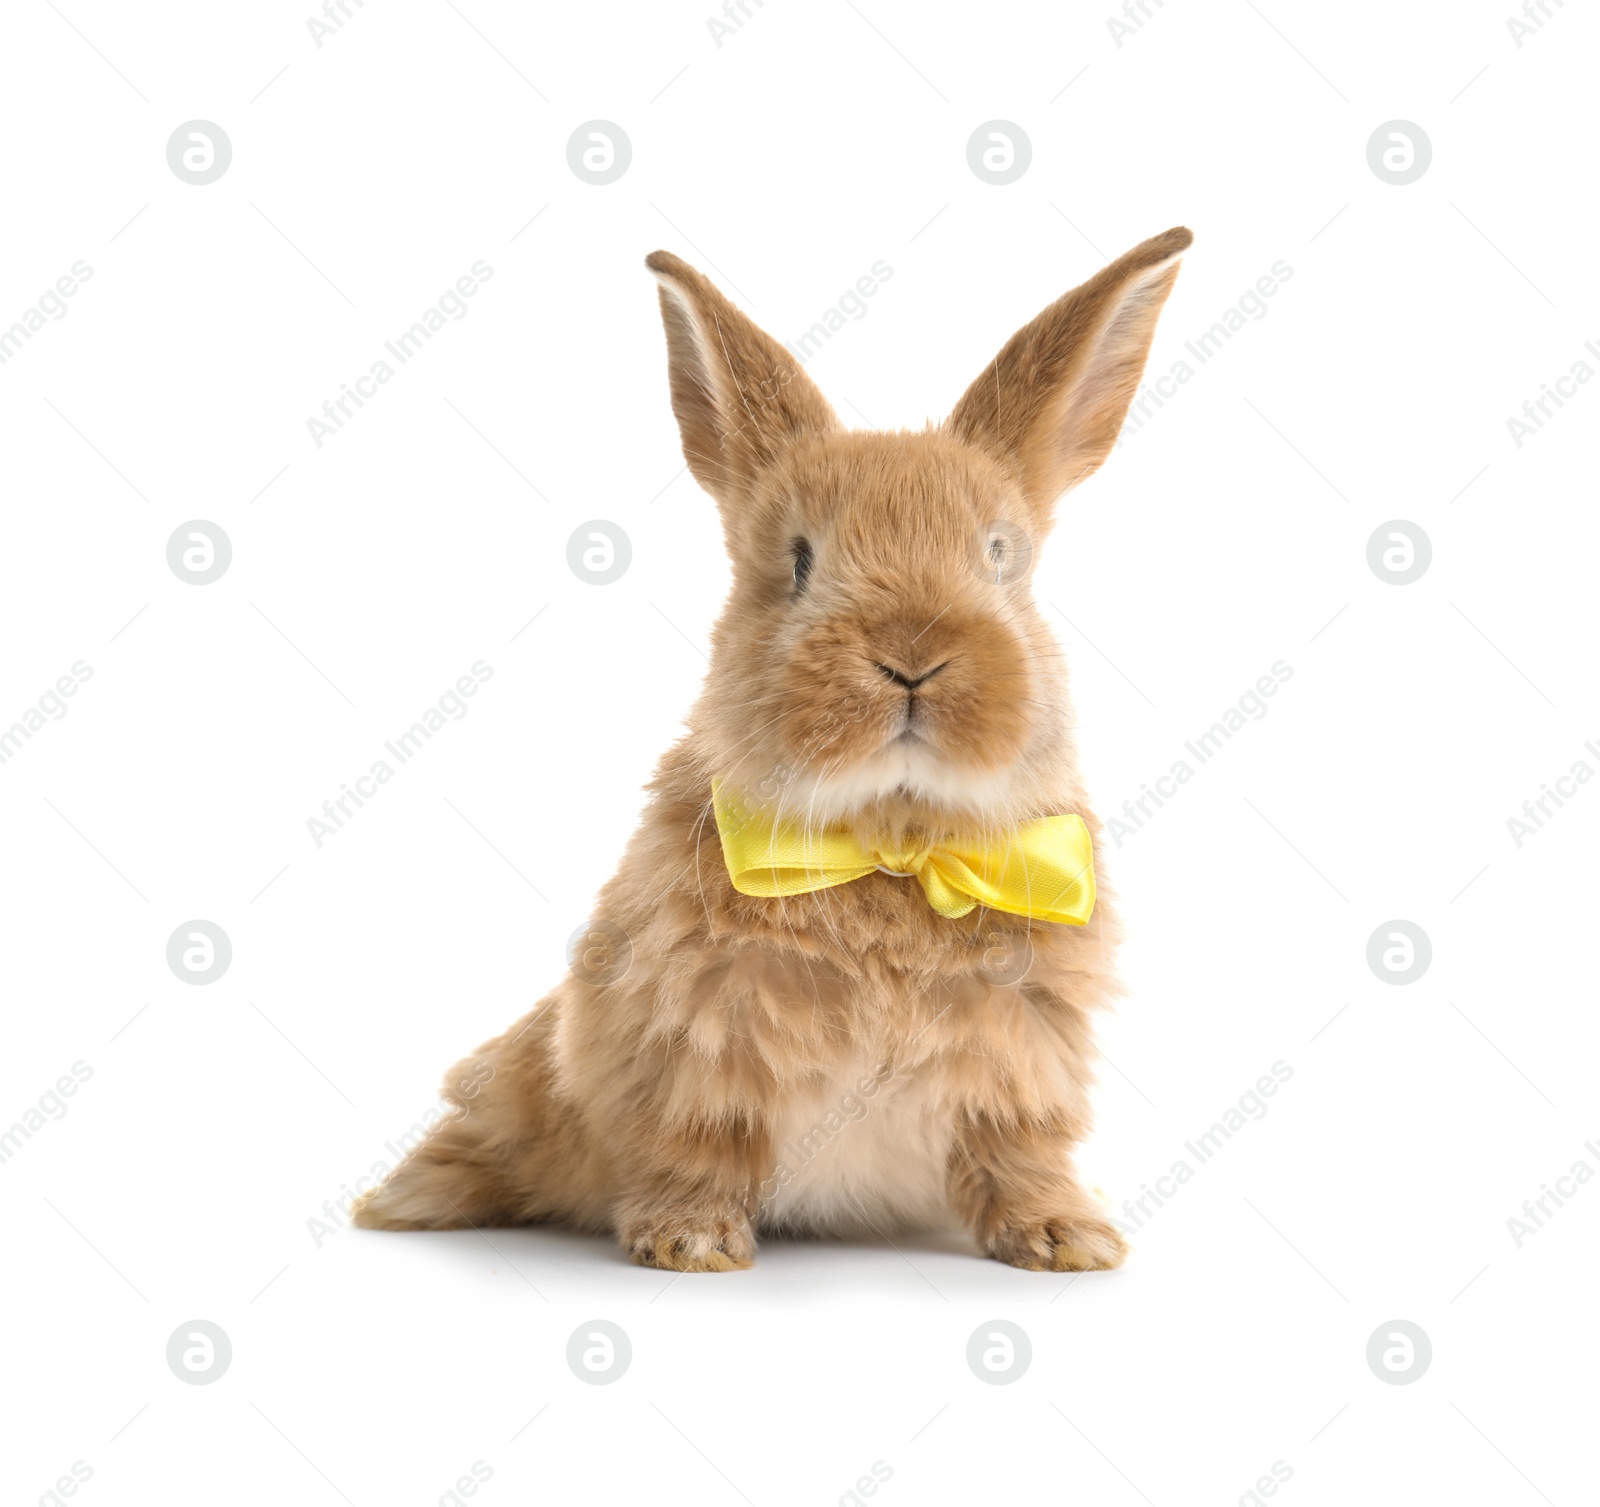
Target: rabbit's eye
801,550
1004,553
999,548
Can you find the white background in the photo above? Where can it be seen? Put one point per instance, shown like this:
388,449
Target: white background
368,574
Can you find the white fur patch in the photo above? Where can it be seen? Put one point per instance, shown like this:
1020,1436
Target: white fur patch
914,769
848,1162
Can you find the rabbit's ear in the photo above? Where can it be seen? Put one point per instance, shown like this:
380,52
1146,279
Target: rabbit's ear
1053,401
738,394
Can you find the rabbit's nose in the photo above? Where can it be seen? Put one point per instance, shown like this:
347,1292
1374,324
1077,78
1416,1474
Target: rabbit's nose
910,682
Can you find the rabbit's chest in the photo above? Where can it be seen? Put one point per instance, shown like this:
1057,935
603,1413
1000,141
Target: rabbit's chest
865,1152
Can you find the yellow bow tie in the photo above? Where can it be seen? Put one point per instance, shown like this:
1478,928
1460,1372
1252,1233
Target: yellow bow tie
1043,869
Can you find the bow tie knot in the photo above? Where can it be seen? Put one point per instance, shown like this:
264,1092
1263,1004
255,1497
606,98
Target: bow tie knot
902,863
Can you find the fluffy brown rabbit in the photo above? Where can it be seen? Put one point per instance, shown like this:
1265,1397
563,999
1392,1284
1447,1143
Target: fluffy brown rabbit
847,1058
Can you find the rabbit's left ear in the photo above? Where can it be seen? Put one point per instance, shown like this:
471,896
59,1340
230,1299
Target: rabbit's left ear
1052,402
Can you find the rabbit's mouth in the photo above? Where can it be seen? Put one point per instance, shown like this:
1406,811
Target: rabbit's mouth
911,728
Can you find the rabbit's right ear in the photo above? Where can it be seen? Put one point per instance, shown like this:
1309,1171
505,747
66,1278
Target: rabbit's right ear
739,396
1051,404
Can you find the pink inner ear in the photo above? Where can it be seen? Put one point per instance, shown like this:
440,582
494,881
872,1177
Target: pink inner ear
1054,400
1094,406
738,395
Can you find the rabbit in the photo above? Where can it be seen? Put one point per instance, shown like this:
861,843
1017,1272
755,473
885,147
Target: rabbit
721,1064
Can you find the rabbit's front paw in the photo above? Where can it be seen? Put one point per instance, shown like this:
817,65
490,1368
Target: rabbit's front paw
1060,1245
678,1245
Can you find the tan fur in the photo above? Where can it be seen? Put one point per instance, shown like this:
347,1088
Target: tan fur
845,1059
